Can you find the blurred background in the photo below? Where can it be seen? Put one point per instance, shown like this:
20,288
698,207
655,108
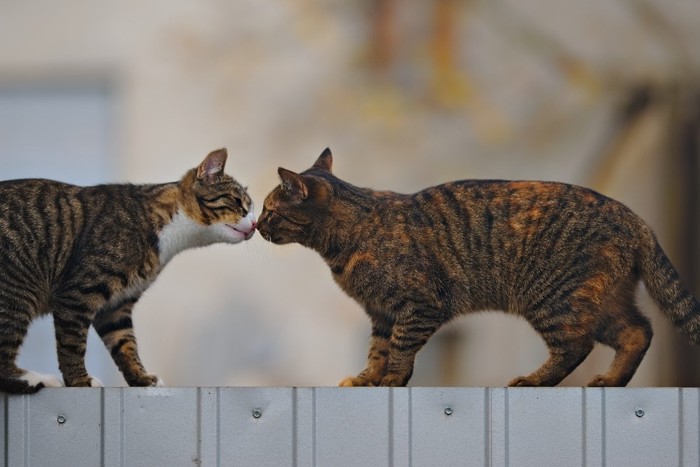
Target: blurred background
407,94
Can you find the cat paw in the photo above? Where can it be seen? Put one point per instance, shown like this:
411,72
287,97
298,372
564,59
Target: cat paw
47,381
354,382
348,382
145,380
522,381
602,381
85,382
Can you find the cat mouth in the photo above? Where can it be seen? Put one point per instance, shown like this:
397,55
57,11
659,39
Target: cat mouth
247,234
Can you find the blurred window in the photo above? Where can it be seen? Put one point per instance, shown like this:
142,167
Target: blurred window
60,132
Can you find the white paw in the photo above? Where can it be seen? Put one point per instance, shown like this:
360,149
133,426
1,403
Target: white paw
159,383
95,383
33,379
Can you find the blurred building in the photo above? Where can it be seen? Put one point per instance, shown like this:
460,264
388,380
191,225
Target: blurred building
407,94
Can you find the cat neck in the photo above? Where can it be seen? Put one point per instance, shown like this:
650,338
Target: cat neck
183,233
345,228
176,230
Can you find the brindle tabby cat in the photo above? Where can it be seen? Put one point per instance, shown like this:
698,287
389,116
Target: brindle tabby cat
87,254
565,258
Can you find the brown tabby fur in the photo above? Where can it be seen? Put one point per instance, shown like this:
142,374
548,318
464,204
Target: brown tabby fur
86,254
563,257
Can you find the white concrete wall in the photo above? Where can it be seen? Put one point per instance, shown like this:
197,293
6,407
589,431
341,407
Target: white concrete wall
277,426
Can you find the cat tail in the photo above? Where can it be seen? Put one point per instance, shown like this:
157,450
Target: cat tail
664,285
11,385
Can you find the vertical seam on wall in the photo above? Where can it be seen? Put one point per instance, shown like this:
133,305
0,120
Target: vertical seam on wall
26,429
7,432
295,427
218,426
603,434
313,427
390,424
680,426
410,426
102,426
199,424
506,424
584,419
490,426
487,427
121,427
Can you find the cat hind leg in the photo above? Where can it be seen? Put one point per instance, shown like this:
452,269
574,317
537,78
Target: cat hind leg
630,335
71,319
15,380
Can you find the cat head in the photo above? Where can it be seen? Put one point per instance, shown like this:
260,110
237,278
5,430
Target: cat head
214,200
293,210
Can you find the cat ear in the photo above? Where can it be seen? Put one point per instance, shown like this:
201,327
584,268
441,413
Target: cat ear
325,160
213,164
293,183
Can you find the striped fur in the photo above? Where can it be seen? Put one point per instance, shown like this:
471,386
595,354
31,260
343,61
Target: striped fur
86,254
563,257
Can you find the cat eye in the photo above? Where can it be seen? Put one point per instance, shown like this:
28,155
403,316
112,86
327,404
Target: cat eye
238,202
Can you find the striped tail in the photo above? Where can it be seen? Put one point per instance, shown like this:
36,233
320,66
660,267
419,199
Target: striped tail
665,287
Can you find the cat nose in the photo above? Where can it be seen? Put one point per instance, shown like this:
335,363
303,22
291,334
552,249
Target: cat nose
254,224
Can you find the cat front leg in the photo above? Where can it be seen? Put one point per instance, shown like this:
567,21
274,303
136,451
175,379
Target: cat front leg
115,328
407,338
377,360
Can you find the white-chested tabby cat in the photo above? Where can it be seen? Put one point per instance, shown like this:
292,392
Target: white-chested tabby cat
86,254
565,258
